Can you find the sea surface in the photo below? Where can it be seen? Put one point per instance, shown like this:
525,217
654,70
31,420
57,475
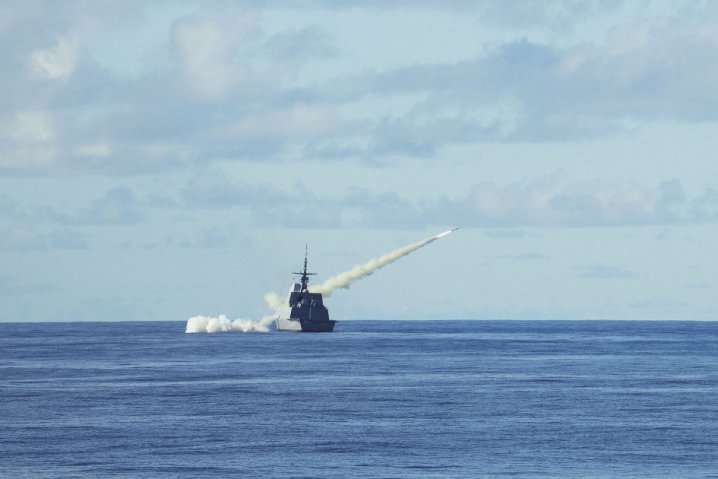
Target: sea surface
374,399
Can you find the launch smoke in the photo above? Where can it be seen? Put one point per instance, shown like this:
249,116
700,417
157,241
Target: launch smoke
275,301
345,279
222,324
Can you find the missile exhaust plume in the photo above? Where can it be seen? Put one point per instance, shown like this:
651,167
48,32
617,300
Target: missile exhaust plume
345,279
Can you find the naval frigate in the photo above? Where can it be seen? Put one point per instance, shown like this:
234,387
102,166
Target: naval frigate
307,311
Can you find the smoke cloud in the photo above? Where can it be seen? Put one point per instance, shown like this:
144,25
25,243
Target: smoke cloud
222,324
275,301
345,279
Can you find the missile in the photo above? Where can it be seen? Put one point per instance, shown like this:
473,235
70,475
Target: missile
441,235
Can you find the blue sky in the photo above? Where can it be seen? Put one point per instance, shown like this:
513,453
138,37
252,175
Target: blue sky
160,160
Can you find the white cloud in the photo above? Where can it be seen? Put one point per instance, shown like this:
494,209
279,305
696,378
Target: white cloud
28,142
58,62
118,206
299,122
604,271
559,201
95,150
225,89
550,201
27,238
206,49
31,127
21,239
537,90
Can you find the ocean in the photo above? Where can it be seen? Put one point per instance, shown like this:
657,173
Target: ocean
374,399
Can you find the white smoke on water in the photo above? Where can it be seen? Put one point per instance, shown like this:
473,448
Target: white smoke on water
222,324
345,279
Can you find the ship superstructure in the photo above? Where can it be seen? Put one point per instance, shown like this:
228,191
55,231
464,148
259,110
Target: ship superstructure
307,310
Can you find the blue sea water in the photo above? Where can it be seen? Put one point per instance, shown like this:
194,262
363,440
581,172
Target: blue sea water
375,399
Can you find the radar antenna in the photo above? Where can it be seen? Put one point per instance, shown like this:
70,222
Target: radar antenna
305,275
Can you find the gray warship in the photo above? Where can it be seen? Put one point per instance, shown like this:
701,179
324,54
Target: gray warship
308,313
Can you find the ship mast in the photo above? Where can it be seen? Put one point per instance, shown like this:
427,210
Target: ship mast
305,275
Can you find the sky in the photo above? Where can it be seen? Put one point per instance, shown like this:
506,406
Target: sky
161,160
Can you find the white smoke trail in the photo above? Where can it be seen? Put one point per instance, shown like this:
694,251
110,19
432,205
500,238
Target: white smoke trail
345,279
222,324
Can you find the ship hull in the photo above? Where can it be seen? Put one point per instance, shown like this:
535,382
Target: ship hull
306,326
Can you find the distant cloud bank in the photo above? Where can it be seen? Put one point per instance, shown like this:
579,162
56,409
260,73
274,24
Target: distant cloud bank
215,84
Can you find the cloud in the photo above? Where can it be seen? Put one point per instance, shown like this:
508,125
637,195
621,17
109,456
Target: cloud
58,62
298,207
204,49
559,201
535,91
421,137
95,150
209,94
699,286
26,238
31,127
295,47
223,237
268,205
515,13
298,122
226,84
118,206
502,210
213,189
27,142
704,207
22,239
559,14
68,240
604,271
32,223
